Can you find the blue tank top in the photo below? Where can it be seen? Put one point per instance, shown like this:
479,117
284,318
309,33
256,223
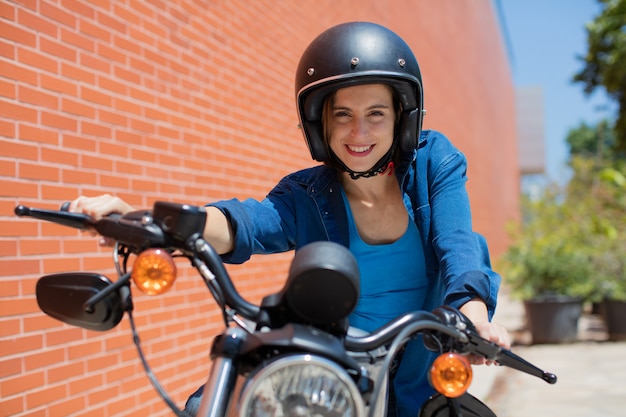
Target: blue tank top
393,276
394,282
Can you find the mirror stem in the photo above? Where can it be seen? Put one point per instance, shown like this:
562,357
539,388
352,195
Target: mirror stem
99,296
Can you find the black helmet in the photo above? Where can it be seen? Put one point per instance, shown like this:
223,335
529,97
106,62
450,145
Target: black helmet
351,54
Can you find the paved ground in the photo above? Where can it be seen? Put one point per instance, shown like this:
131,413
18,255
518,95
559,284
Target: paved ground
591,372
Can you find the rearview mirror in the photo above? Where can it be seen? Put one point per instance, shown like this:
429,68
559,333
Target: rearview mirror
63,297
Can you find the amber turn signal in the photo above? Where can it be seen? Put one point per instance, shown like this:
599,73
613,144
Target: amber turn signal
154,271
451,375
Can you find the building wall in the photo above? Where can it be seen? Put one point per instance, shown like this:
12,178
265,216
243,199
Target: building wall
191,101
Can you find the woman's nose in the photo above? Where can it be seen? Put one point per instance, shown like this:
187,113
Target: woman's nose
359,127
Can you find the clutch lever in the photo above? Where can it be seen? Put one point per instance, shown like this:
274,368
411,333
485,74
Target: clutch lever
63,217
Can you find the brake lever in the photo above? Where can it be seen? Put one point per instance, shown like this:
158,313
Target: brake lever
479,346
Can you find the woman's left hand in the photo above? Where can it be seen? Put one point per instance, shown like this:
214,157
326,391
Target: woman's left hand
476,311
494,333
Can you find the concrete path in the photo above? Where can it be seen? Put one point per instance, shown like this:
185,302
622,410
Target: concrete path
591,372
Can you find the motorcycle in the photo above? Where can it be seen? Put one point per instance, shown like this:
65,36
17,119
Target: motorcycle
295,353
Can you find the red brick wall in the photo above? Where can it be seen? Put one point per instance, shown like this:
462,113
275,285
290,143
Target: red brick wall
190,101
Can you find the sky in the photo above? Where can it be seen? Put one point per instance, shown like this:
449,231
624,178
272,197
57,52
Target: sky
545,37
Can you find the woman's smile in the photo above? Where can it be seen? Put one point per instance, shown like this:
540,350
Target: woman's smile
360,150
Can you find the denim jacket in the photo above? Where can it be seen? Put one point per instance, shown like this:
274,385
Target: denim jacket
307,206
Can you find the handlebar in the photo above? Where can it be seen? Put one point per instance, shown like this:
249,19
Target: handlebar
177,226
453,330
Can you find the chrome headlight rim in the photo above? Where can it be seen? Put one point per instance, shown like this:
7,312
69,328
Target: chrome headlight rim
264,372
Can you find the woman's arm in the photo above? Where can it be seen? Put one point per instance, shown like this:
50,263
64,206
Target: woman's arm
217,230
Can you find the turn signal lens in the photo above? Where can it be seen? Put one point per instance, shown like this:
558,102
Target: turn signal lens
451,375
154,271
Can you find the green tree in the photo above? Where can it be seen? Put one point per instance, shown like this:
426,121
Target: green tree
605,62
596,142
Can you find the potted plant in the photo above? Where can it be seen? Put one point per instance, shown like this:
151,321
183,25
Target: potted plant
608,251
612,279
548,267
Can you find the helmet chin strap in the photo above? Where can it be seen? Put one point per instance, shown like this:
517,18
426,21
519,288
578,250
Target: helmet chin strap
383,164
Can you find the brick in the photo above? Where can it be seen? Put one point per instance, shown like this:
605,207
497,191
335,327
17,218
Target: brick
45,395
18,34
38,134
7,11
85,384
57,49
65,264
95,96
8,90
37,360
59,15
70,370
80,8
66,407
60,85
20,344
11,406
62,336
10,326
36,59
77,73
18,306
88,347
60,194
77,108
95,129
58,121
35,22
100,363
58,156
12,110
102,395
95,31
78,142
40,321
7,248
7,129
39,172
16,267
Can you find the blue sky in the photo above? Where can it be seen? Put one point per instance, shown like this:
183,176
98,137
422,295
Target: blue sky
545,38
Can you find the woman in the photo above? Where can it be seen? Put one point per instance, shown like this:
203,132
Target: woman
393,194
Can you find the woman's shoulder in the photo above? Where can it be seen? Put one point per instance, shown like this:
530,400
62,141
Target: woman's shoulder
311,175
434,138
312,179
437,150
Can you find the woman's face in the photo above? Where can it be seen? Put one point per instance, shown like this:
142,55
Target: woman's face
361,124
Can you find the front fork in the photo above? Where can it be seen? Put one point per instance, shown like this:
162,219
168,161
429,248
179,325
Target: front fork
220,386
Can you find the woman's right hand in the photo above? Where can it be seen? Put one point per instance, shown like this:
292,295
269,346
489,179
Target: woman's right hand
99,207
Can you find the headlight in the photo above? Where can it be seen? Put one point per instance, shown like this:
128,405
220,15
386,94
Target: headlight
301,386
